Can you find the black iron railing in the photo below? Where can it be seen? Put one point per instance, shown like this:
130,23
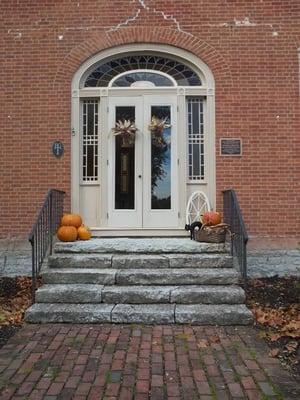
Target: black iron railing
239,238
41,235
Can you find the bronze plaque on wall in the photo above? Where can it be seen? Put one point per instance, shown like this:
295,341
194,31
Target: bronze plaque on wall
231,147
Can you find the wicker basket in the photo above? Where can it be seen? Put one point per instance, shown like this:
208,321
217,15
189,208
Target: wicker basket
212,234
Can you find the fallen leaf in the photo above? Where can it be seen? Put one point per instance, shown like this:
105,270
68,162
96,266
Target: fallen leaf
183,336
293,325
294,335
274,352
274,336
291,346
202,344
263,334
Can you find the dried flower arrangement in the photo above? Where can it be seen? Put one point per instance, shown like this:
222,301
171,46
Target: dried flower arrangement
127,130
156,128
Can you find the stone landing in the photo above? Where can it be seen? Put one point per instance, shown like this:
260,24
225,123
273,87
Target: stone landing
140,280
157,245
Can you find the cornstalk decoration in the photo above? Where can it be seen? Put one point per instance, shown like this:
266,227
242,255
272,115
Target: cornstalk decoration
127,130
157,127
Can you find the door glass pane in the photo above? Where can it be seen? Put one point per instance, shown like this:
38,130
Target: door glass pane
160,157
124,163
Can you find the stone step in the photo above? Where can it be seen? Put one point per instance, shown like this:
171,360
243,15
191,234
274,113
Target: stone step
84,276
69,293
177,276
164,276
208,295
222,314
71,313
140,261
80,293
140,245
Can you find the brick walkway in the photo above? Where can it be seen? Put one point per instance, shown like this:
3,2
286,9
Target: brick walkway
140,362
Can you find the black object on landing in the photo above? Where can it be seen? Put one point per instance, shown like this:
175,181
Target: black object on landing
192,228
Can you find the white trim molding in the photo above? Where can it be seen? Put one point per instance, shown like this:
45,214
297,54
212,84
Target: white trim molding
91,199
173,52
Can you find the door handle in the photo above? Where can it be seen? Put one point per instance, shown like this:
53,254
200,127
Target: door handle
140,176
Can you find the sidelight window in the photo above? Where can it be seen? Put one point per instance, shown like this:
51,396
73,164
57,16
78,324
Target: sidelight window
90,141
195,128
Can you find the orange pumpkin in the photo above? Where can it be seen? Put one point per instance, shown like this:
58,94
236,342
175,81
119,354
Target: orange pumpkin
71,220
211,218
84,233
67,233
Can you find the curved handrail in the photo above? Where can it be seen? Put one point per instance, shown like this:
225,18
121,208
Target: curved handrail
239,213
49,193
239,239
43,230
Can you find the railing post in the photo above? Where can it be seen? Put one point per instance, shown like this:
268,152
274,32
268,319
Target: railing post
231,219
33,283
51,222
244,262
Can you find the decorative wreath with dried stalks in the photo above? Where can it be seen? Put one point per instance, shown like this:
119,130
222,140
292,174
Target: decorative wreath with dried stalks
156,128
126,129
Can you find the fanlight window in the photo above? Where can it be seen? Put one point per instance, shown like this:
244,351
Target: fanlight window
134,78
103,74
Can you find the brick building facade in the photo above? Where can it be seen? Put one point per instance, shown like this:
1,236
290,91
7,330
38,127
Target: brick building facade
250,47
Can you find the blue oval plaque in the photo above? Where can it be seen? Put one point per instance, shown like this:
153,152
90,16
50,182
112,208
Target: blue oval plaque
58,149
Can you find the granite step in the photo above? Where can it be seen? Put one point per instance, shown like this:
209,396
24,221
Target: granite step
164,276
222,314
177,276
140,246
87,293
124,261
79,276
69,293
219,314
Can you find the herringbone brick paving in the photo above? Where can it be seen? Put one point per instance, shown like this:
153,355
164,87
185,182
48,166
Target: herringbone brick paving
141,362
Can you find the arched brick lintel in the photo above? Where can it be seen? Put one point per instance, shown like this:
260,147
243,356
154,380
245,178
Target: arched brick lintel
104,40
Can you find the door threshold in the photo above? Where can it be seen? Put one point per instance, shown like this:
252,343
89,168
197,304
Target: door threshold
122,232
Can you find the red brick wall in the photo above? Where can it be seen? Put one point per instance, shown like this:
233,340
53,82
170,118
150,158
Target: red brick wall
250,46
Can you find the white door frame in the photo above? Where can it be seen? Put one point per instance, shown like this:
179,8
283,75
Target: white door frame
80,191
142,216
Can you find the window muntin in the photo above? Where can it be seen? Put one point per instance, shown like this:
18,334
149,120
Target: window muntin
195,120
103,73
90,140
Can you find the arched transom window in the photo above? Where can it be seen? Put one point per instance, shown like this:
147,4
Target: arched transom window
129,70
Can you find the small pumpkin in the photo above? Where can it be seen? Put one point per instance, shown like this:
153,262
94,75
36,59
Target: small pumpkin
71,220
211,218
84,233
67,233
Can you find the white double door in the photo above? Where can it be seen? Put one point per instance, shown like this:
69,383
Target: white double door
143,173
